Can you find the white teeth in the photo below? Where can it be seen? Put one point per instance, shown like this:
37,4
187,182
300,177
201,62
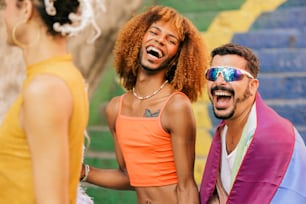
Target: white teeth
159,53
222,93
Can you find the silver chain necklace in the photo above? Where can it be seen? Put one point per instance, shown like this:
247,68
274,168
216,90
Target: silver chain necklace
149,96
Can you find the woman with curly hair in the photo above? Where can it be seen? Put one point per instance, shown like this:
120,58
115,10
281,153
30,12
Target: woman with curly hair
42,135
160,58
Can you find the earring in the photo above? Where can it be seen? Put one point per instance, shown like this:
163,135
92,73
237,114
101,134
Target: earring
17,42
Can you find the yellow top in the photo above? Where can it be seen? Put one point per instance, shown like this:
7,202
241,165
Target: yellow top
16,178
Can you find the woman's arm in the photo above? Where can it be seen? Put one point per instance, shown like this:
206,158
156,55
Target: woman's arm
179,120
45,116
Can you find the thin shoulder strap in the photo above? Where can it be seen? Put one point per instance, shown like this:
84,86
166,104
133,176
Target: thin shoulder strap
121,103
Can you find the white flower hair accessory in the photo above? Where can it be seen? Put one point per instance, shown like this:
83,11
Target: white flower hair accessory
79,21
50,9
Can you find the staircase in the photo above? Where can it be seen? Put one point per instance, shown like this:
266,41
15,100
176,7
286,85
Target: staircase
279,40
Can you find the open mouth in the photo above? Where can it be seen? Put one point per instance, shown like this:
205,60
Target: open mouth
222,94
154,52
222,99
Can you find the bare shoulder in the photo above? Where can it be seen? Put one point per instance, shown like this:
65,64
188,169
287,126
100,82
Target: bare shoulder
111,112
177,113
47,88
112,107
178,102
46,100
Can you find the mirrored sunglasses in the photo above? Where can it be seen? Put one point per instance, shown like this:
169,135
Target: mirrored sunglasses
229,74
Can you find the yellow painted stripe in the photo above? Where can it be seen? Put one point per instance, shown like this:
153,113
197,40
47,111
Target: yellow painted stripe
227,23
221,31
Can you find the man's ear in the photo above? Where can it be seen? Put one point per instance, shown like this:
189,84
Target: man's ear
254,84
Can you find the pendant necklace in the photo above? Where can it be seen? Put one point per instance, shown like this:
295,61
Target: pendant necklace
149,96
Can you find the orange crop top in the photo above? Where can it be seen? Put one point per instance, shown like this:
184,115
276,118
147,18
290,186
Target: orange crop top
146,148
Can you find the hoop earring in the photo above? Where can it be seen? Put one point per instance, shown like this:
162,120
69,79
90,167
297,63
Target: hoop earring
17,42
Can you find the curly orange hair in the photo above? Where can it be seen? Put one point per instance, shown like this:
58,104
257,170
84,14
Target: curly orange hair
191,61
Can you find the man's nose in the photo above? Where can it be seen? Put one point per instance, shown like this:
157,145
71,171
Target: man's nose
220,78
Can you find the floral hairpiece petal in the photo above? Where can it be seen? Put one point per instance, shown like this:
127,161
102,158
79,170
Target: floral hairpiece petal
50,9
79,22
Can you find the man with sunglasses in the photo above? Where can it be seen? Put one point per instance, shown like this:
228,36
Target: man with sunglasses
256,156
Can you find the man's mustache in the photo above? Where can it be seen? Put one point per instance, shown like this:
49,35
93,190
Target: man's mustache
221,88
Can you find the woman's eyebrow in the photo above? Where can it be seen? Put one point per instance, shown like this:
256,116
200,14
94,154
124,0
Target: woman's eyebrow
161,30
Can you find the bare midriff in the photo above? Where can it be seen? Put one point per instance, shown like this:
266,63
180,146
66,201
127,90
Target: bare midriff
157,194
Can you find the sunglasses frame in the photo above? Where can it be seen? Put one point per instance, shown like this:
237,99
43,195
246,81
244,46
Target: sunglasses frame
220,71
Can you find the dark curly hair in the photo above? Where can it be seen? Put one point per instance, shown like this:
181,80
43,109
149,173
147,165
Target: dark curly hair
242,51
187,75
63,9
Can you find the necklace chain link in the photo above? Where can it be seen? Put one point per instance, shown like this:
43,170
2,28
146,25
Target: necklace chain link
149,96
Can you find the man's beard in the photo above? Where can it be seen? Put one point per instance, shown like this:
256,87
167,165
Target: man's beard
246,95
